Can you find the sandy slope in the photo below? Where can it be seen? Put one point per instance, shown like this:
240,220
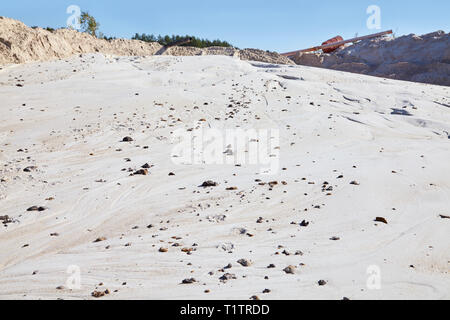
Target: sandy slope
70,126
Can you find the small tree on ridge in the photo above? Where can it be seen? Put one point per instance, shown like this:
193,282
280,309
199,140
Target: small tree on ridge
89,24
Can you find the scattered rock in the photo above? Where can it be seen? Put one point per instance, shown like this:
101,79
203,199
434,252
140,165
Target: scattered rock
273,184
142,172
322,282
381,219
100,239
5,219
304,223
227,247
99,294
218,218
189,281
209,183
245,262
290,269
36,208
227,276
127,139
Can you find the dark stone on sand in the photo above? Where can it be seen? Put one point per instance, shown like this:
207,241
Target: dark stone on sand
209,183
381,219
36,208
189,281
244,262
289,270
322,282
304,223
227,276
142,172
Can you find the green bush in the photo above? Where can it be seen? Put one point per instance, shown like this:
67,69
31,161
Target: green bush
167,40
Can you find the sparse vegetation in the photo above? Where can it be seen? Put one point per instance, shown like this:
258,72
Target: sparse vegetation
105,37
196,42
89,24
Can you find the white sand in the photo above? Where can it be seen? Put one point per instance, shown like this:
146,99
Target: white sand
69,115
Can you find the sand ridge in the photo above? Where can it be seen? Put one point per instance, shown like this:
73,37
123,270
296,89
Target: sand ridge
21,44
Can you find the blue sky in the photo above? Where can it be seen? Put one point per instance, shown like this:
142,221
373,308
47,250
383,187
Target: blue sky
271,25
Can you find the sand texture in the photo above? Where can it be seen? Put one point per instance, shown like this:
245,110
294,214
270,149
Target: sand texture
352,149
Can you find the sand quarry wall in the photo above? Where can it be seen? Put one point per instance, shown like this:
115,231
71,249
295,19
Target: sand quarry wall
21,44
423,58
414,58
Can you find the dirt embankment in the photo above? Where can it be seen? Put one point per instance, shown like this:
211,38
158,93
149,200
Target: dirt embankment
20,44
423,58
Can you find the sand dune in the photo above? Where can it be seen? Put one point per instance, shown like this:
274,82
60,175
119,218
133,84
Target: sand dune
352,149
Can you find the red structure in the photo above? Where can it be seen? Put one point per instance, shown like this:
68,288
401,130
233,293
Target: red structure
333,40
336,44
